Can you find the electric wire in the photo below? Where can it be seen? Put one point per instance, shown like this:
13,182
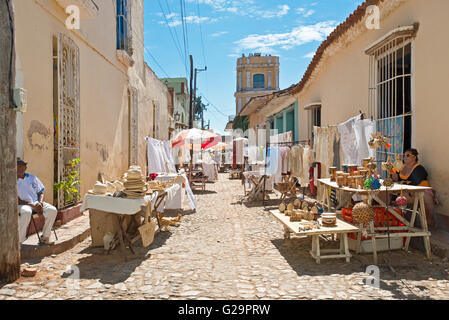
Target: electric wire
177,38
184,31
171,33
210,103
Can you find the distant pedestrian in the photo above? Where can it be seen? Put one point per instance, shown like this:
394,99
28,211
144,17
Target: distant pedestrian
31,198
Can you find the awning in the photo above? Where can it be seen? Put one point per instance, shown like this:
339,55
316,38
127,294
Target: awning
312,105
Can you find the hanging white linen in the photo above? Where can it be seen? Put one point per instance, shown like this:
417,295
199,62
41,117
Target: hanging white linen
155,161
363,130
171,162
348,142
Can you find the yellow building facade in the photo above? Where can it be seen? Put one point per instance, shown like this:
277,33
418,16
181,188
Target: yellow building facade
257,75
89,92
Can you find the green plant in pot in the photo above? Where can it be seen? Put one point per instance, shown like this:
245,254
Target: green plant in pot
69,185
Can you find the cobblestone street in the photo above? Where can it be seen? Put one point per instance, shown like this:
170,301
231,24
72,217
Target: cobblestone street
228,250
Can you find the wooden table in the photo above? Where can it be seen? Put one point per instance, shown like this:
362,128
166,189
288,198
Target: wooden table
412,231
342,228
119,216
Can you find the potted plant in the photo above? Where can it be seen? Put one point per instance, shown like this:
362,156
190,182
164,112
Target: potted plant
69,187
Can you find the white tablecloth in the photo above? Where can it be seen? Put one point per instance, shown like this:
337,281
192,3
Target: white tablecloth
211,171
178,198
115,205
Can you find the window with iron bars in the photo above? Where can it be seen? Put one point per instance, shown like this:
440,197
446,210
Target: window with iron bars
391,92
124,31
315,121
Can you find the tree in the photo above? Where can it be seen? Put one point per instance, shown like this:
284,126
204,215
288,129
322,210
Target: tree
9,233
241,122
199,109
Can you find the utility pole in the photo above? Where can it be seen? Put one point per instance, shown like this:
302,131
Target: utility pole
194,90
9,218
191,94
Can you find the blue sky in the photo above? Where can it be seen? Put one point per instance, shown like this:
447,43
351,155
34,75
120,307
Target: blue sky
219,31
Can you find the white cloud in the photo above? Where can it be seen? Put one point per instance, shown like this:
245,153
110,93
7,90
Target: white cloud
305,13
175,20
219,34
310,55
268,14
296,37
309,13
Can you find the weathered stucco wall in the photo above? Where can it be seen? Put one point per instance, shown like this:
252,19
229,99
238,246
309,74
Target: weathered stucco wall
342,84
103,91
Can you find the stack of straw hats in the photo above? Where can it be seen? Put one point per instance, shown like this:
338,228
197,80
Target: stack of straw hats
134,182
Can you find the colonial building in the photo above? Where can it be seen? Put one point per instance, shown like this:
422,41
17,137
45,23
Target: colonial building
181,100
257,75
89,92
388,73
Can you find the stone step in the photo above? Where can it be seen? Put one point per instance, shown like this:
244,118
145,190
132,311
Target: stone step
69,235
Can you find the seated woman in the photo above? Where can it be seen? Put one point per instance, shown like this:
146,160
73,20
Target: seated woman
414,174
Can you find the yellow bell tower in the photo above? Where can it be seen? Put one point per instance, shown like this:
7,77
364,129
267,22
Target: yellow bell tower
257,75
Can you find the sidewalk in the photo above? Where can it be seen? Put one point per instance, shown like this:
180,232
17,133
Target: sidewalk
439,241
69,235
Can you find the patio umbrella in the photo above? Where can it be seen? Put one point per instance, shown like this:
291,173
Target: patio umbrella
194,135
220,146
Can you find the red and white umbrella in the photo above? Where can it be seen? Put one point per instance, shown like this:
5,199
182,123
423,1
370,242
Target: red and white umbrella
195,136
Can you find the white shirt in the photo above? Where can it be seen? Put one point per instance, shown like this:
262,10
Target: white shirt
29,188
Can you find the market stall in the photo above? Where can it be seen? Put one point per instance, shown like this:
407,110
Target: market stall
316,229
127,210
408,228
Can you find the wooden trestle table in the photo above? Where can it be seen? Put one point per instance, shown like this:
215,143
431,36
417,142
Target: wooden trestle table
409,225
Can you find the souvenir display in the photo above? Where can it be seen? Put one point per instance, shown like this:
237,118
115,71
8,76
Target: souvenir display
375,185
398,164
351,182
297,203
308,216
368,183
345,179
99,189
296,216
401,201
387,166
378,141
328,219
362,213
333,173
351,169
134,182
307,225
359,181
365,162
282,207
388,182
305,206
340,181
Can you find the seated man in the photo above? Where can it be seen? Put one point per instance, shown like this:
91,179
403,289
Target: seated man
31,198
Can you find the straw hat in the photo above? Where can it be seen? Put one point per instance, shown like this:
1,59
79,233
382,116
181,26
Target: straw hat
99,189
110,187
119,185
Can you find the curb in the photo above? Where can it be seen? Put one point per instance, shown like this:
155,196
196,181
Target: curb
44,251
